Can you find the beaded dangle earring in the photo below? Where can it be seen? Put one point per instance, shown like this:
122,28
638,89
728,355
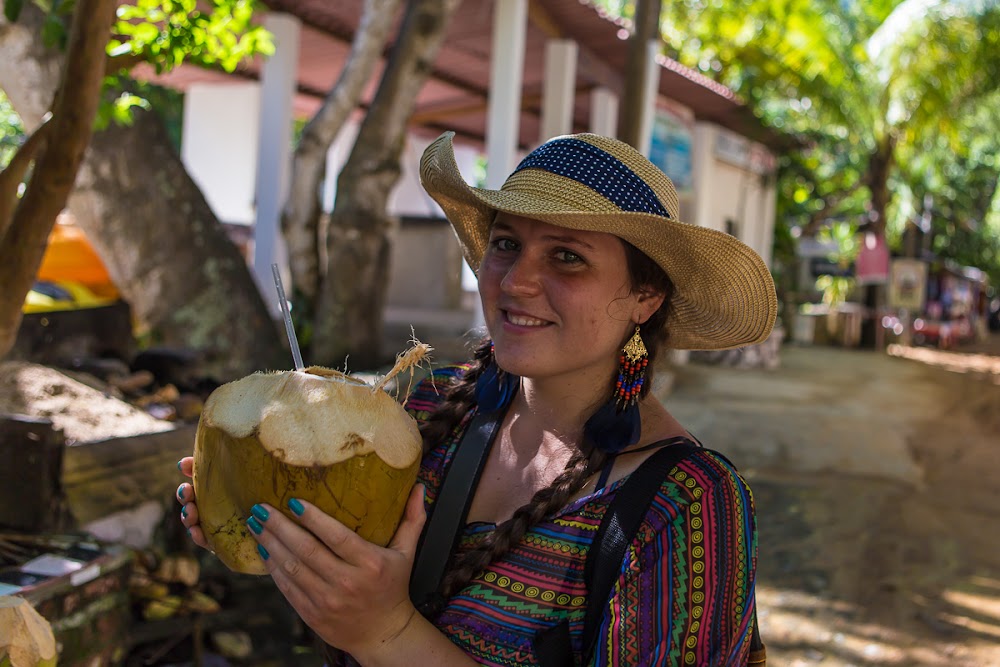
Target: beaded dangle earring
495,387
616,425
631,372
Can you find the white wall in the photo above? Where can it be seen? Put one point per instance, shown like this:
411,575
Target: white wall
219,146
733,181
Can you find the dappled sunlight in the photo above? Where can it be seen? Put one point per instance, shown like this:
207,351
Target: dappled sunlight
974,606
802,629
955,362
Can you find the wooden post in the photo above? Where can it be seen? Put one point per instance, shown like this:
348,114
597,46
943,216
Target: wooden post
31,454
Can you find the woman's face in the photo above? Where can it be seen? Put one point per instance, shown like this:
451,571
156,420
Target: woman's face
558,302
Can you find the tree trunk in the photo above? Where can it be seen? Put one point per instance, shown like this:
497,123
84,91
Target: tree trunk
22,246
645,28
168,254
151,226
879,166
300,217
352,296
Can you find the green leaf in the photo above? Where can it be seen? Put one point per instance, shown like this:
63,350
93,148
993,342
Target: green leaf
53,32
12,9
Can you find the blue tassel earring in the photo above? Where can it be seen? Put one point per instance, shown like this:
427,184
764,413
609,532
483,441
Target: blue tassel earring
495,388
617,424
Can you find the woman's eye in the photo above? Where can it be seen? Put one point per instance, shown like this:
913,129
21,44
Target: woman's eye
504,245
568,257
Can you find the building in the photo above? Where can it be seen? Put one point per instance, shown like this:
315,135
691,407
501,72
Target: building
562,69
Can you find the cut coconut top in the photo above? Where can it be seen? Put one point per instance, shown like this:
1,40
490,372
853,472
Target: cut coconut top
25,636
315,417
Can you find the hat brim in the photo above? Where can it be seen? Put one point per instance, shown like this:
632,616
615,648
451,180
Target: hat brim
724,295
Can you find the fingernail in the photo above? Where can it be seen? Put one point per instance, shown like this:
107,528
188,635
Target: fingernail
255,526
259,512
178,465
180,492
189,532
184,512
263,552
296,506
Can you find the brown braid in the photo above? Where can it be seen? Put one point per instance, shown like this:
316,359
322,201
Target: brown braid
546,501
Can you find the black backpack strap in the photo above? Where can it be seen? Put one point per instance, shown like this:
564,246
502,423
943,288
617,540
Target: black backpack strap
618,528
441,532
617,531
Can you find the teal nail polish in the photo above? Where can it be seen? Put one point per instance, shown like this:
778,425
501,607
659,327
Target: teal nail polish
260,513
296,506
180,492
189,532
178,465
263,552
184,512
255,526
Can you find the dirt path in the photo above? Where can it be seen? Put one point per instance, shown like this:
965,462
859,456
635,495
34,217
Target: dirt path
877,482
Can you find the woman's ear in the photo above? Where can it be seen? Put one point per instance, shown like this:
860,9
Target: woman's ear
648,301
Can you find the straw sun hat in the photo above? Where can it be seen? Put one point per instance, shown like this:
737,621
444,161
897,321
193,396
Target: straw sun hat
724,295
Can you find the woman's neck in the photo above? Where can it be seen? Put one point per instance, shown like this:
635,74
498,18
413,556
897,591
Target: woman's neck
558,406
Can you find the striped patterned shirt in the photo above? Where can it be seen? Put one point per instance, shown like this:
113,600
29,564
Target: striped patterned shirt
684,595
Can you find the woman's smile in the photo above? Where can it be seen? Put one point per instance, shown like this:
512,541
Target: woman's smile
525,321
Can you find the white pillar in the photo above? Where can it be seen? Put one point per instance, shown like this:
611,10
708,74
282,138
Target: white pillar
559,88
651,91
219,145
278,83
506,70
702,161
603,112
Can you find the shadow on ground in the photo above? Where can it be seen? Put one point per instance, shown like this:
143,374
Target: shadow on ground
876,490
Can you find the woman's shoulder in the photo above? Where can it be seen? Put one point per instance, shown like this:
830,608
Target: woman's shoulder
701,479
429,393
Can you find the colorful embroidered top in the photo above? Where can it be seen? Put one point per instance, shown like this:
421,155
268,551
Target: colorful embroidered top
685,592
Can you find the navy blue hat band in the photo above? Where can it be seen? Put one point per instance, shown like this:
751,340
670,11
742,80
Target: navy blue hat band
598,170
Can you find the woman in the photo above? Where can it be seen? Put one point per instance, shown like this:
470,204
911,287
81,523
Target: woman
585,274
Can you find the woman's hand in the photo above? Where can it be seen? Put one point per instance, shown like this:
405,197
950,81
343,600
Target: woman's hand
189,510
352,593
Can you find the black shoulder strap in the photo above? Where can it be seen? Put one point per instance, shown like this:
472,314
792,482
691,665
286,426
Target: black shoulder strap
451,507
618,527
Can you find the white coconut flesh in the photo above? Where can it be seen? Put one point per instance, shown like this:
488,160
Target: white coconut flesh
297,415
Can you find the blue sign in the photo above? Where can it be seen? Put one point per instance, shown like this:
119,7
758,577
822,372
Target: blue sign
670,149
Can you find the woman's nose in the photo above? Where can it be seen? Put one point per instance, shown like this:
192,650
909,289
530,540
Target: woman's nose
522,277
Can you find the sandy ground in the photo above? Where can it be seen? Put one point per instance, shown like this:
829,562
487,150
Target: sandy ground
877,490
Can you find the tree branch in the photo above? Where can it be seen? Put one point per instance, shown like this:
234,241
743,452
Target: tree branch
12,176
73,114
300,217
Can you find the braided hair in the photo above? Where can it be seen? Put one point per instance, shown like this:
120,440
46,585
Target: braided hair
588,460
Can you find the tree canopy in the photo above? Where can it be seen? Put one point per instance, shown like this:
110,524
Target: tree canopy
895,101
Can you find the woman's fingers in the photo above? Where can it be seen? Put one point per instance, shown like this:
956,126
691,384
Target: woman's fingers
337,537
185,493
189,515
408,534
299,563
197,536
189,510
